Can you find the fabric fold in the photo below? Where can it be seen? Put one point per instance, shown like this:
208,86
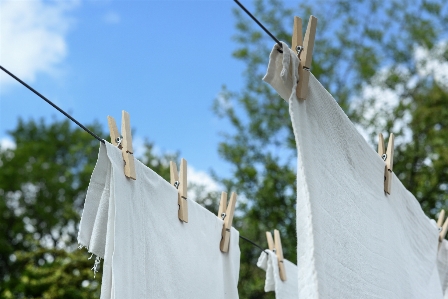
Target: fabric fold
355,240
283,289
147,251
283,71
442,266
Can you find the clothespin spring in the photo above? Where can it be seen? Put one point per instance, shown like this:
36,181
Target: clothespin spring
384,157
119,140
176,184
299,50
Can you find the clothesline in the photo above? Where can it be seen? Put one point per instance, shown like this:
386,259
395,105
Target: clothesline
84,128
102,140
90,132
52,104
261,25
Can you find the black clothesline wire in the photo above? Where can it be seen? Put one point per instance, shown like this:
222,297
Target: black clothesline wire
52,104
83,127
90,132
102,140
253,243
261,25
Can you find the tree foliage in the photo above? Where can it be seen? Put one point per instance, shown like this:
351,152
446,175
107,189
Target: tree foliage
381,60
43,182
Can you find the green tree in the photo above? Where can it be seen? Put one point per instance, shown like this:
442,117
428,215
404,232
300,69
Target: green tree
365,51
43,182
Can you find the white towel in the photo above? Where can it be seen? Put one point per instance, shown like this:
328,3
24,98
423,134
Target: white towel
283,289
147,251
355,241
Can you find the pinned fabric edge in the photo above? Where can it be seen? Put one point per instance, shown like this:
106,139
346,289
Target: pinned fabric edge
93,226
266,264
285,64
273,283
137,220
442,266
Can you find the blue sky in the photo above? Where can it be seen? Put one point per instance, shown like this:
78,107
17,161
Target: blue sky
162,61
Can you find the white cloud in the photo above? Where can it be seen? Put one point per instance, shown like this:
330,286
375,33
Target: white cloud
138,145
196,177
384,101
6,143
199,177
432,62
375,115
111,17
33,37
376,104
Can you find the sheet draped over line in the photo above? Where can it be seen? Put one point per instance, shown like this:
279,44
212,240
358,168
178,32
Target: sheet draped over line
354,241
283,289
147,251
442,263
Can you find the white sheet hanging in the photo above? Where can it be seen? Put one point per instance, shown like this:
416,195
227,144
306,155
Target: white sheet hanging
147,251
283,289
355,241
442,263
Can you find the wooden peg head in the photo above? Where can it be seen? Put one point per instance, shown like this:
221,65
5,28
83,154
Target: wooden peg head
279,253
126,132
183,203
225,240
306,59
308,41
222,204
271,245
297,39
113,131
174,175
441,218
381,146
444,231
127,150
390,152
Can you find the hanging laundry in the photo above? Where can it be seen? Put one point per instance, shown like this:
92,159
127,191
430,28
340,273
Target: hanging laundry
442,266
283,289
356,241
147,251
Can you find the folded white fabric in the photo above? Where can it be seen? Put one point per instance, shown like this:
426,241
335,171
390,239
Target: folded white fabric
282,71
147,251
355,241
283,289
442,263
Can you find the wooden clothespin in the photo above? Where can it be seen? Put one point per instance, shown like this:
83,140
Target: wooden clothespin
306,46
226,213
442,228
387,157
180,182
276,246
124,143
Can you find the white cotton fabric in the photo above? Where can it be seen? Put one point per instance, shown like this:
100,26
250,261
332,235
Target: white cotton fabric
282,72
147,251
283,289
442,263
355,241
